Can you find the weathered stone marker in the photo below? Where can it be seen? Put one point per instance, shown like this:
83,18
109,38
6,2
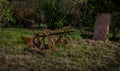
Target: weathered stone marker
101,28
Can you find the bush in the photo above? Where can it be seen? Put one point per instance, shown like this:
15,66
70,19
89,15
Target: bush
79,12
6,13
23,14
115,26
37,6
87,14
54,15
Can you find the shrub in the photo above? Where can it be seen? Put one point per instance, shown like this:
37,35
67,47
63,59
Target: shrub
115,26
54,15
6,13
23,14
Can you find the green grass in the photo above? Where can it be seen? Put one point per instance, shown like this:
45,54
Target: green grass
85,55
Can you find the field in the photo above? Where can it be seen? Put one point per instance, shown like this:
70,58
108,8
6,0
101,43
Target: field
85,55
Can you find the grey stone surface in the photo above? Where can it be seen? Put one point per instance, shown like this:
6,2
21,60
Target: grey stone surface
101,28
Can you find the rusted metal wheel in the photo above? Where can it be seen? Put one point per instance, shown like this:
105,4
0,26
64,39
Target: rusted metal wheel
36,41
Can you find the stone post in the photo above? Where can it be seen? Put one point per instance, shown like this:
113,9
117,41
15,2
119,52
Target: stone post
101,28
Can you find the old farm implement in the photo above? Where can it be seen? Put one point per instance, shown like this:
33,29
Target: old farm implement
49,39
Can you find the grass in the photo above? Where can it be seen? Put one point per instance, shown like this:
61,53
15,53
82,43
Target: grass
85,55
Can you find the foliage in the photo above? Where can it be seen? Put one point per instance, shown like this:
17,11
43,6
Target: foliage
72,10
79,12
88,14
54,15
102,6
37,6
23,15
59,13
6,13
106,6
115,26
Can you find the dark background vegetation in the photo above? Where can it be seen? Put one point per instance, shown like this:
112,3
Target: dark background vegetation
58,13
